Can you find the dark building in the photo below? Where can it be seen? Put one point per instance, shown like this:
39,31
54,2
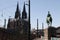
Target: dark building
18,23
53,32
17,27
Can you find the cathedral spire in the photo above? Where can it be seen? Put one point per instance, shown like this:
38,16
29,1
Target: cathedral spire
24,7
17,9
24,14
17,13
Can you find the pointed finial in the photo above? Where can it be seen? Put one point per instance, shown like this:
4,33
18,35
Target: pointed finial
24,7
17,6
24,14
17,13
24,2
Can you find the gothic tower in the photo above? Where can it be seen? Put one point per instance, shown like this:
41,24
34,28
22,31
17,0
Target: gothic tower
17,13
8,26
24,14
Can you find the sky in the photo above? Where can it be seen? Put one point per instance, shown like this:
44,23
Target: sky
39,10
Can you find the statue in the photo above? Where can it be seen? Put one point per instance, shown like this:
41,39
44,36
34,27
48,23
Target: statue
49,19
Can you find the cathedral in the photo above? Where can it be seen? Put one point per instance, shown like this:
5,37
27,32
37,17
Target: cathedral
17,27
19,23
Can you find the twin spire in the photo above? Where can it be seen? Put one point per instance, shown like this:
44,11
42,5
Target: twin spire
24,14
17,9
17,13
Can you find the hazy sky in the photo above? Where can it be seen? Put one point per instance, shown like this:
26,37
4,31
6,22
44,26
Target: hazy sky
39,9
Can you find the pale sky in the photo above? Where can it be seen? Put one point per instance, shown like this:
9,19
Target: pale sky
39,9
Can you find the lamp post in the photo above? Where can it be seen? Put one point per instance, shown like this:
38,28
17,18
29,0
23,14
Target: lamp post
29,28
29,35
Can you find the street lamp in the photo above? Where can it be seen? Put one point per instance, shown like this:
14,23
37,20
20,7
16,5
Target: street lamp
29,28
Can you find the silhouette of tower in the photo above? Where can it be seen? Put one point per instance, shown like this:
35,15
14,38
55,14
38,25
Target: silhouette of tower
17,13
24,14
4,23
42,29
8,26
37,27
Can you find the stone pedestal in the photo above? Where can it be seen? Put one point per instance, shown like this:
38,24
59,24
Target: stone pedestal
45,34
